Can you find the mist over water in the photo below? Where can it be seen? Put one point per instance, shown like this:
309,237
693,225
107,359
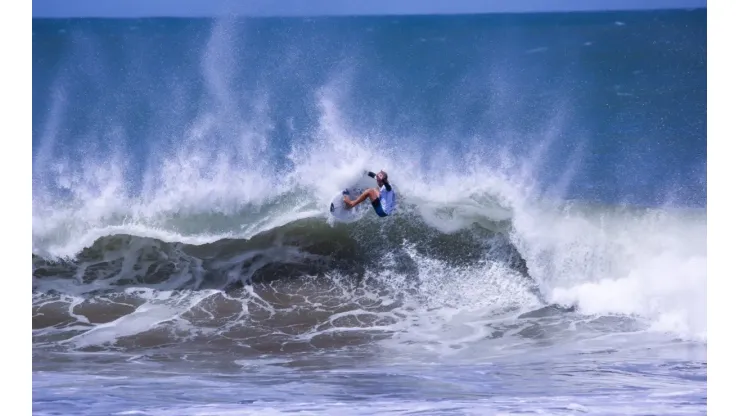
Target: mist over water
551,173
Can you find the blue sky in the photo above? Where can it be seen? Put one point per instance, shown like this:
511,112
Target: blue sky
143,8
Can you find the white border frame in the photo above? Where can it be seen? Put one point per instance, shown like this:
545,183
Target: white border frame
722,188
15,218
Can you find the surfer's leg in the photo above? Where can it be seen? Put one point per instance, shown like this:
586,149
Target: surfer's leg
371,193
378,208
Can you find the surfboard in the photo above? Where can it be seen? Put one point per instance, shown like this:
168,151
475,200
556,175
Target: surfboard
341,213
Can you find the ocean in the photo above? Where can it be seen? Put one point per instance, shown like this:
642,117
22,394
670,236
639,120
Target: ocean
548,254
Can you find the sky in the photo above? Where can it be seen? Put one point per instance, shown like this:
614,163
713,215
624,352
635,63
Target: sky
193,8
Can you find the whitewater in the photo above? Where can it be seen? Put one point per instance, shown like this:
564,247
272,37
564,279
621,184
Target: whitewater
548,254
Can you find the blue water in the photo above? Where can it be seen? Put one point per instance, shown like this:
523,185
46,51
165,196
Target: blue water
548,254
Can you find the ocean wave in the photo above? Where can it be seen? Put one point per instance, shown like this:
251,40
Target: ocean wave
310,242
186,198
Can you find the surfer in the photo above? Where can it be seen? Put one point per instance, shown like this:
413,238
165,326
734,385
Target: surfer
382,198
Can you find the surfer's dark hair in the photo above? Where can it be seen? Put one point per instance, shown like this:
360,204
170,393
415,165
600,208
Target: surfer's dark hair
385,180
385,177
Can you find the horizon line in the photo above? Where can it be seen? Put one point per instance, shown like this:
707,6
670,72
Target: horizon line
349,14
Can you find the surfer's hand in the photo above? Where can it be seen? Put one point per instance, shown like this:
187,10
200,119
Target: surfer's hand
370,174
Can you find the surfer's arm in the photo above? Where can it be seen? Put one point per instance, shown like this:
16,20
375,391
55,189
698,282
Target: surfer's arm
385,182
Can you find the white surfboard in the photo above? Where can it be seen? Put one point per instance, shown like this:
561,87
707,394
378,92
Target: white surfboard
341,213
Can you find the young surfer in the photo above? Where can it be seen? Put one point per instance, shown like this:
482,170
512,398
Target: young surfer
382,198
